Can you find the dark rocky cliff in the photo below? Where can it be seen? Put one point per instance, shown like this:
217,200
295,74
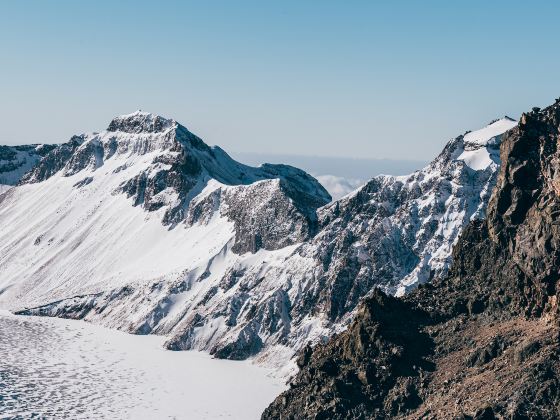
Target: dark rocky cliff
482,343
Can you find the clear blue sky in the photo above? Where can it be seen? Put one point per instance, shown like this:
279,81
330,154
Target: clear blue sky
335,78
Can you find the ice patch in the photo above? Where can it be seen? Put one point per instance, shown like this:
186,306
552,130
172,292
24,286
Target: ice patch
55,368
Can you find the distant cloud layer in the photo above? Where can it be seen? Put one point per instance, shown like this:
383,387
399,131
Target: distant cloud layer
338,186
338,175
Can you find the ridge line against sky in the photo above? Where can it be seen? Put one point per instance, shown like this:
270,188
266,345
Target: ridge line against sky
353,79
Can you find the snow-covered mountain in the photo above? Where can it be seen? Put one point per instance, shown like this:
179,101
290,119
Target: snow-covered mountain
145,228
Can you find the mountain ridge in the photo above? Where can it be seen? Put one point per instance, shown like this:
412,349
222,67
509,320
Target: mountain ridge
250,270
480,343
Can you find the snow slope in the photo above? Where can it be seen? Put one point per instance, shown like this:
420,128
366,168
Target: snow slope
145,228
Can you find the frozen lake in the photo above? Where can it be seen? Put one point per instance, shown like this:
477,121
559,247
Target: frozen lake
59,368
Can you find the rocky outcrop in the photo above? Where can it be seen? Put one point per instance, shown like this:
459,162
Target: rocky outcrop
484,342
256,211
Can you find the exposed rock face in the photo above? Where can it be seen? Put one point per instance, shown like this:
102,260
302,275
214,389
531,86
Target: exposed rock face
482,343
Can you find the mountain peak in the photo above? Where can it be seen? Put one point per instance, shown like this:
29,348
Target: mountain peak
140,122
495,128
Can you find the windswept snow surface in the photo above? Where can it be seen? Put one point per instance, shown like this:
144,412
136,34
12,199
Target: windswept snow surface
55,368
87,240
